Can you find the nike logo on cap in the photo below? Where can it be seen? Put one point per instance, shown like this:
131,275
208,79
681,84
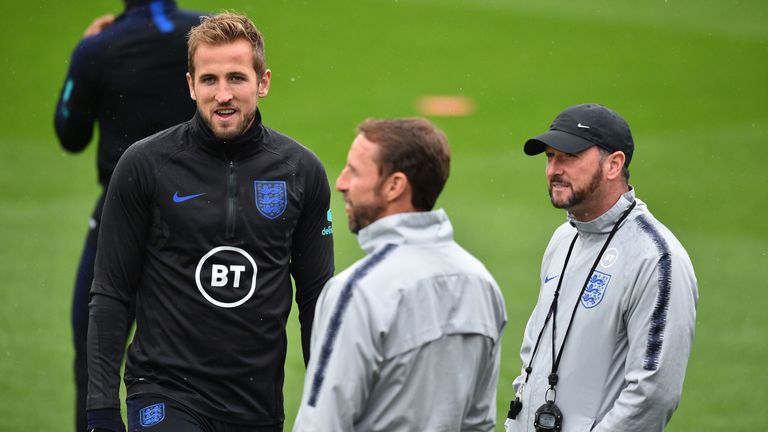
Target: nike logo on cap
178,199
582,126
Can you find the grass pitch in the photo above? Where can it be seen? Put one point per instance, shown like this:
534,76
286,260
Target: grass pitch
691,77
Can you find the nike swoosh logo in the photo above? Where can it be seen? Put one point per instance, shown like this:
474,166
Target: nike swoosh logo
582,126
178,199
548,278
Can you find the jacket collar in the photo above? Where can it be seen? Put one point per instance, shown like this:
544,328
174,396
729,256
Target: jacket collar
237,148
604,223
406,228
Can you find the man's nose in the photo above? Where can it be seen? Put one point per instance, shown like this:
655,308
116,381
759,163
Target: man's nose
554,166
341,181
223,94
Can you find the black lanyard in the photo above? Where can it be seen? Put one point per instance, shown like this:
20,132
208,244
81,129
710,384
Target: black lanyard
553,306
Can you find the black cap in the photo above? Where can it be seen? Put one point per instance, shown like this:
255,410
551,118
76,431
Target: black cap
580,127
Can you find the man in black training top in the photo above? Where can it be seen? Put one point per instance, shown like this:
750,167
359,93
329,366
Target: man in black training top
127,75
205,223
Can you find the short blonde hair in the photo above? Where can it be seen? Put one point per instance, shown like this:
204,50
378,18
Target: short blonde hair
224,28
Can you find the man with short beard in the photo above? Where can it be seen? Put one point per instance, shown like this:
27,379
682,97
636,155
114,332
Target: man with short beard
409,337
607,344
204,225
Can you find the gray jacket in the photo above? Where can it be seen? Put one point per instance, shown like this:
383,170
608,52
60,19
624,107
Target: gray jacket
408,338
623,365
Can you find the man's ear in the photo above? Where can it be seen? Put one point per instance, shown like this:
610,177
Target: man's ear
191,84
395,186
615,164
266,79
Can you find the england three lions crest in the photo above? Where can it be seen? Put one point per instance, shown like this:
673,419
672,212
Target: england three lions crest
271,198
595,290
152,415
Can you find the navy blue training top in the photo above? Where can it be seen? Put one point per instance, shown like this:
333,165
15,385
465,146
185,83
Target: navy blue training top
130,79
206,235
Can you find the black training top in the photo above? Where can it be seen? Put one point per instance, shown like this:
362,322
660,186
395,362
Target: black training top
130,79
206,235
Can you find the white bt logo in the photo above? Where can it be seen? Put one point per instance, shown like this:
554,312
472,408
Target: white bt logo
220,278
226,276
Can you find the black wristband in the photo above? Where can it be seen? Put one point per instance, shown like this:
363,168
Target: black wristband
107,419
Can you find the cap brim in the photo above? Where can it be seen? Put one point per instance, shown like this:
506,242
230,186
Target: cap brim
558,140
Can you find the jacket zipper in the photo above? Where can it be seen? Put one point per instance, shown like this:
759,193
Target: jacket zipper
231,201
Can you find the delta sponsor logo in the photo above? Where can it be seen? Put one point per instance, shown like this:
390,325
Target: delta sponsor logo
226,276
329,229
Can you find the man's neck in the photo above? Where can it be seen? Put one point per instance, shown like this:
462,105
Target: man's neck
601,203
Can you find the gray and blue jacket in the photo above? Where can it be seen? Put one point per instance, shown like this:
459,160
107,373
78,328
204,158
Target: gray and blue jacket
623,365
408,338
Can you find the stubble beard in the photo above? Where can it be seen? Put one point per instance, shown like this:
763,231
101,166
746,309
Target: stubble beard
231,133
577,196
361,216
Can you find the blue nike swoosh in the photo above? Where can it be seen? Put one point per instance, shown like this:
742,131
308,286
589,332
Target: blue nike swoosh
547,278
178,199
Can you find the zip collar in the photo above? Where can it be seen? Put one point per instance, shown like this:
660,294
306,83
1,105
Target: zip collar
406,228
240,147
604,223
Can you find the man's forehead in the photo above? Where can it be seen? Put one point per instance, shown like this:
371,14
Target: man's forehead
363,150
363,144
238,52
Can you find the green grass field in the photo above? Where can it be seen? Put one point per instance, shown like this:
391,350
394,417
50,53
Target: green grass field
691,77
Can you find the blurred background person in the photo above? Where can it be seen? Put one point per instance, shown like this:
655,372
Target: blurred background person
127,75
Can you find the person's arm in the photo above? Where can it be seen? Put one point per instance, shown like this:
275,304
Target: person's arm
481,416
107,331
312,250
660,327
341,372
76,110
118,269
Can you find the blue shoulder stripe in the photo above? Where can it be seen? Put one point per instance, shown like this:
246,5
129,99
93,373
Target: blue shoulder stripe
66,94
158,16
659,317
336,318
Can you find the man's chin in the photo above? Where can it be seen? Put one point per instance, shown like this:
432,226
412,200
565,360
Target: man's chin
225,134
356,225
560,202
353,228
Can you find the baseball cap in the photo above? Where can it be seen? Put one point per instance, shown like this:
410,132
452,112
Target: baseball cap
581,126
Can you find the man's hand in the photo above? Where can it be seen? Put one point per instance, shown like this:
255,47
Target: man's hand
99,24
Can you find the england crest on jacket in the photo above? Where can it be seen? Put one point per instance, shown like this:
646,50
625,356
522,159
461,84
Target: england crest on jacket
271,198
595,290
